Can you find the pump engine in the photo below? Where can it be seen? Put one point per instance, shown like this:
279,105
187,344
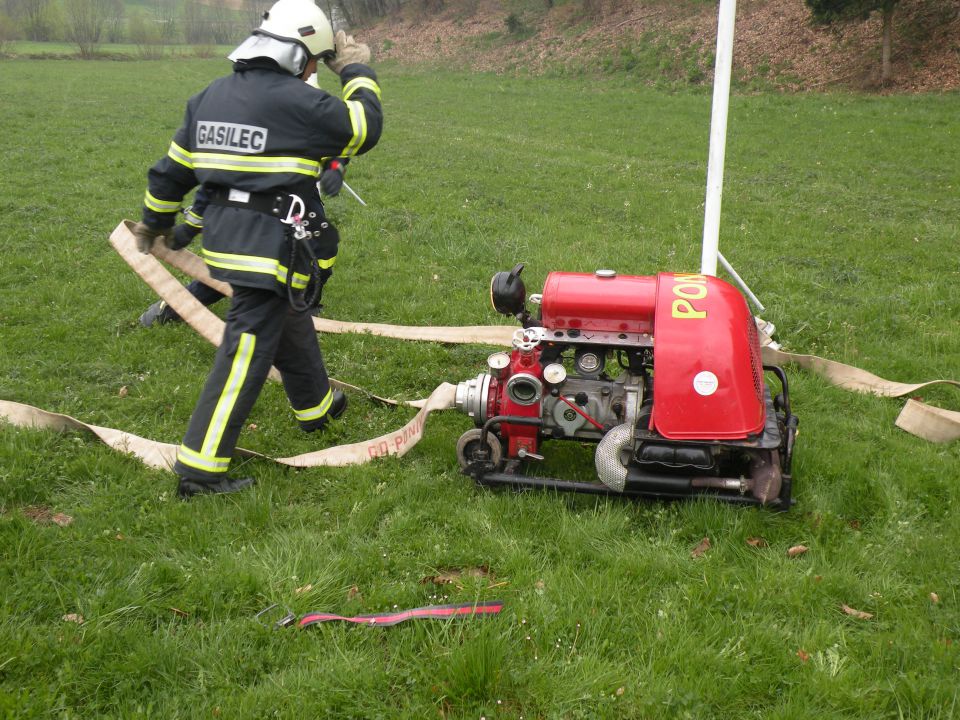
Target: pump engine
662,373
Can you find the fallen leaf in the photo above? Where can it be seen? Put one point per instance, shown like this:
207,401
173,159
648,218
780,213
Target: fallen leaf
252,426
216,711
620,691
305,588
797,550
43,515
817,578
123,391
700,549
180,613
803,655
858,614
119,536
854,524
354,592
61,519
756,542
37,513
934,598
73,617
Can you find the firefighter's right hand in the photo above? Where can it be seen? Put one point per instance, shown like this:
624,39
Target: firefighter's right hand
348,51
146,236
331,179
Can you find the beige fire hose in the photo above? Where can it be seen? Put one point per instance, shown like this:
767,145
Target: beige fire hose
924,421
194,266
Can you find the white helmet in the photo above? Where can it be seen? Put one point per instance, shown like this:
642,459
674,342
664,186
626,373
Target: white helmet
301,22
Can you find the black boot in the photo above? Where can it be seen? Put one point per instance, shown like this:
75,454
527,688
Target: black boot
158,314
338,405
188,488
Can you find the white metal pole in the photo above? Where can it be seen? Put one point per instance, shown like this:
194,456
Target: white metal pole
718,136
739,280
352,192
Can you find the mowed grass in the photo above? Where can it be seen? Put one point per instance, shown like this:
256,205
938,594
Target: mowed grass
840,211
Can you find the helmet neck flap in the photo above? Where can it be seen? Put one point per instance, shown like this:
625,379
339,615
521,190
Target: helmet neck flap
289,55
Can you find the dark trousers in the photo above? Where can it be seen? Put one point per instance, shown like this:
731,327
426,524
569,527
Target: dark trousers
261,330
204,293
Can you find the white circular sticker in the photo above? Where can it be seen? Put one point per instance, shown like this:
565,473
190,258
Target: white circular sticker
705,383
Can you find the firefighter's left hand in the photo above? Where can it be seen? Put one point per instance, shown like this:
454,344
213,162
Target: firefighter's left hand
331,180
348,51
182,236
147,235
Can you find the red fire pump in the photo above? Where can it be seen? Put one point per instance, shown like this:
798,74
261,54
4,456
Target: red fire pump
688,412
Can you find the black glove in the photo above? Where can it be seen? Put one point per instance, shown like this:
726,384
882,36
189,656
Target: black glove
331,179
183,235
146,236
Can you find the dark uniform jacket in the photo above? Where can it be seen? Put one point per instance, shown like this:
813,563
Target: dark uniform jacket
262,130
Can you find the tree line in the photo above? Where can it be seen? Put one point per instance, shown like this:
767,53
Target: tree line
90,23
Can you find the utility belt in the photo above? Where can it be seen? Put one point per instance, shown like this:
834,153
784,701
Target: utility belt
286,207
291,210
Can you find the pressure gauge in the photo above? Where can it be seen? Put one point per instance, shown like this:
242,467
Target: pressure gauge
498,364
588,363
554,373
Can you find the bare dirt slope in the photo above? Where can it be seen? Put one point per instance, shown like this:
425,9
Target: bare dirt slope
775,40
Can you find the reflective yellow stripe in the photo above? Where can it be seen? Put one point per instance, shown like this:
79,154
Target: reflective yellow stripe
326,263
255,163
160,206
299,279
358,118
254,264
361,82
228,398
177,153
192,219
193,459
245,263
315,412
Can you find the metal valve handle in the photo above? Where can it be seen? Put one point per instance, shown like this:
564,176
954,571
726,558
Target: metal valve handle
526,339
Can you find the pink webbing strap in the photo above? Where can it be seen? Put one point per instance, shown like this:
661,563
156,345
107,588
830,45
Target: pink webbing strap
387,619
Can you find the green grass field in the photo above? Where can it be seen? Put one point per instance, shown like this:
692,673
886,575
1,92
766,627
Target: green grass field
27,50
841,211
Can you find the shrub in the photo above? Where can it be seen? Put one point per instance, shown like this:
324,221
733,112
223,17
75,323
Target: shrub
8,32
516,25
146,36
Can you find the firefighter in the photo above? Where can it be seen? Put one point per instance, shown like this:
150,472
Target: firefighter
160,313
256,141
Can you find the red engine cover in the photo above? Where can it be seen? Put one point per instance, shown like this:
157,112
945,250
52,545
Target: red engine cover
707,372
581,301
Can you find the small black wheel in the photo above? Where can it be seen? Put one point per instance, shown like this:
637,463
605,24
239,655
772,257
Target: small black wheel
469,449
